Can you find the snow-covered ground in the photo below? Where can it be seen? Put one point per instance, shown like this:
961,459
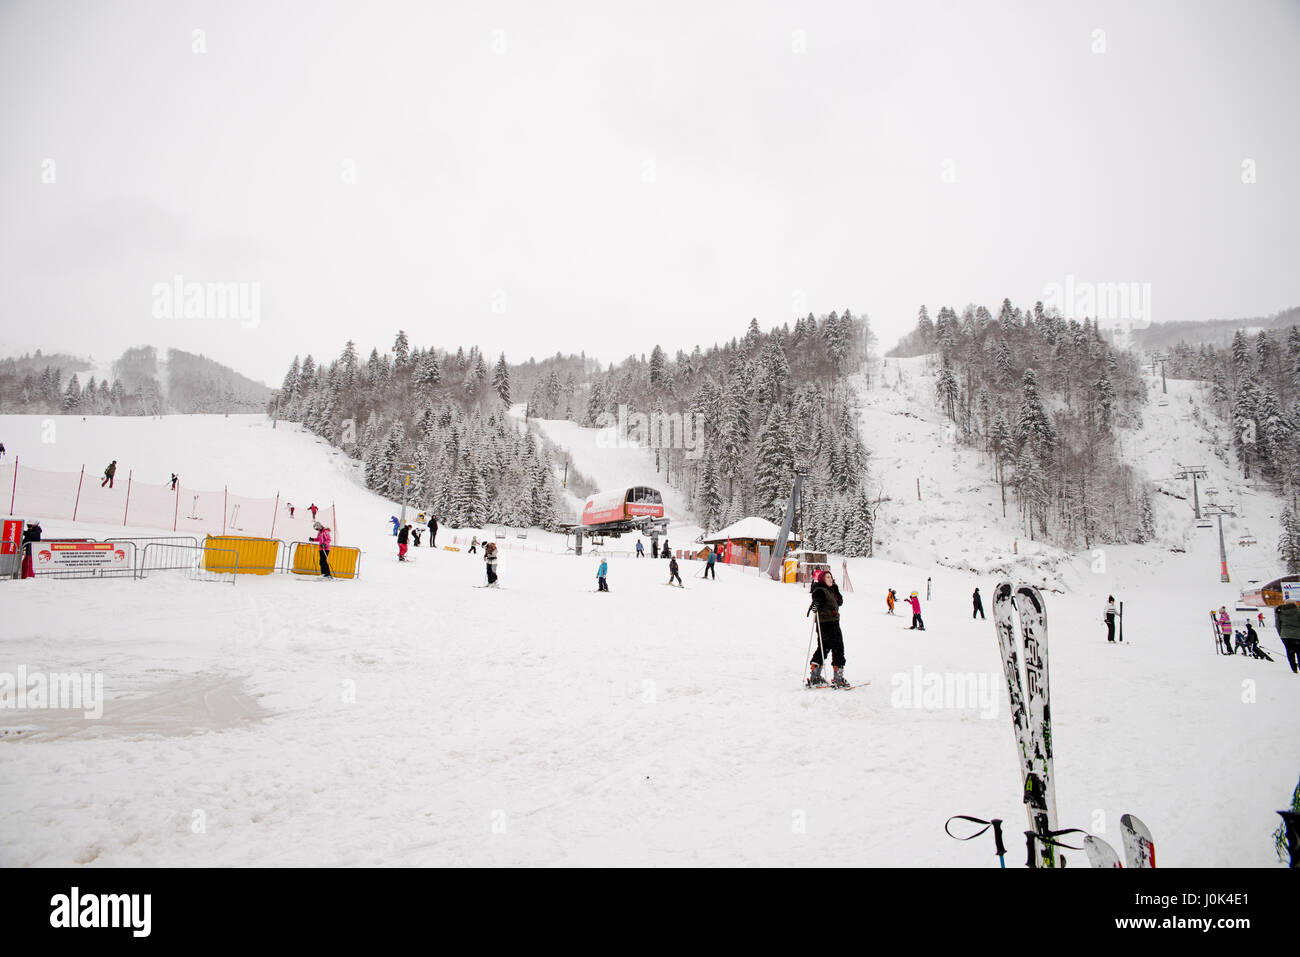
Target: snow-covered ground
409,718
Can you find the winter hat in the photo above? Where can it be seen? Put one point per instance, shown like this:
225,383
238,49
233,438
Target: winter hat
913,594
317,525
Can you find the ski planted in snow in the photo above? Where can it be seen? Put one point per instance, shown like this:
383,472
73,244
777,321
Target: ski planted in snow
1100,854
1031,712
1139,846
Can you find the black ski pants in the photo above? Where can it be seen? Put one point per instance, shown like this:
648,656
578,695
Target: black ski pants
1292,646
832,642
978,611
1110,627
325,564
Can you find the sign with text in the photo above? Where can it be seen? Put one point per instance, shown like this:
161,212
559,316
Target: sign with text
70,556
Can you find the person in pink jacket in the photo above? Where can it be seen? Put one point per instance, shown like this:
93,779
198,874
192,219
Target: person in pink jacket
917,623
1225,628
322,538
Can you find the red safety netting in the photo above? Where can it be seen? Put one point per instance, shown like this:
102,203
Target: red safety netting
85,497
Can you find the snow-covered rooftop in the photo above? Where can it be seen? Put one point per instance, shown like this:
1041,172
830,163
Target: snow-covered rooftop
752,527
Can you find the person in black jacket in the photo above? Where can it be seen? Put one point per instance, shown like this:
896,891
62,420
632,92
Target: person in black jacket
403,535
826,601
978,604
1286,618
433,531
30,534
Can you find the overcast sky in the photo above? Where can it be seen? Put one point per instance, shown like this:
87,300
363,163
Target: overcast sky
604,176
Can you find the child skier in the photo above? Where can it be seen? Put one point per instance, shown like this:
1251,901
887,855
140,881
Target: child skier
978,605
473,546
917,623
640,549
601,572
1110,616
826,601
312,508
672,572
415,535
322,538
889,601
403,536
490,561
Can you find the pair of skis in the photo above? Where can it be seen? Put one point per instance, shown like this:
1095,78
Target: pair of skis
1139,847
1031,710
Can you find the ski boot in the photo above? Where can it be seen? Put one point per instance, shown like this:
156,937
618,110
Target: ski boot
839,681
815,679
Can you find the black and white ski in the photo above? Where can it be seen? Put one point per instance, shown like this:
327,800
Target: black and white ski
1139,846
1031,712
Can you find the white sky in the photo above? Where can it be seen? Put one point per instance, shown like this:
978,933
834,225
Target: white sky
501,194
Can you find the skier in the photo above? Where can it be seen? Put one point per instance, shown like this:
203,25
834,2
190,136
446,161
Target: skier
1225,628
1286,619
289,506
927,589
667,553
312,508
640,549
174,481
490,561
889,601
917,623
708,565
1261,619
1110,616
2,450
415,534
31,534
433,531
397,525
473,546
672,571
109,473
403,535
1249,642
978,605
826,601
601,572
322,538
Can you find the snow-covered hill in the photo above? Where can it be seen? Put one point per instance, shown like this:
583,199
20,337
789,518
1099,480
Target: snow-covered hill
410,718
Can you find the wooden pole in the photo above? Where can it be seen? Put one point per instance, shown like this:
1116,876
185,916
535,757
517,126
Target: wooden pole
127,510
176,518
274,513
77,503
918,488
14,491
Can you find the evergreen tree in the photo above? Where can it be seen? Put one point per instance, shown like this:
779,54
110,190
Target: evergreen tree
501,380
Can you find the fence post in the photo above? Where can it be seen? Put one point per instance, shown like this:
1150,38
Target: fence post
275,513
77,503
126,511
15,488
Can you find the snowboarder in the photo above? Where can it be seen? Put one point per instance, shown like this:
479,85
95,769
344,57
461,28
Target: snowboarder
601,572
109,473
917,623
322,538
490,561
1225,628
978,605
1110,616
415,535
31,534
174,481
889,601
640,549
1286,619
826,601
312,508
672,571
473,546
433,531
708,565
397,525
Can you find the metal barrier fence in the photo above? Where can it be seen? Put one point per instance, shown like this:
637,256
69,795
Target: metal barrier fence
195,561
303,558
44,566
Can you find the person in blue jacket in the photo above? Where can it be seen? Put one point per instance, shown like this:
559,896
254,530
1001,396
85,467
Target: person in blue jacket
397,526
601,572
708,568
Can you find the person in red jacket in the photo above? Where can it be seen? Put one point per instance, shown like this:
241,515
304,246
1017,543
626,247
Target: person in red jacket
917,623
322,538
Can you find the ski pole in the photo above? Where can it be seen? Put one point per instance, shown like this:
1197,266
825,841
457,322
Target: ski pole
996,824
